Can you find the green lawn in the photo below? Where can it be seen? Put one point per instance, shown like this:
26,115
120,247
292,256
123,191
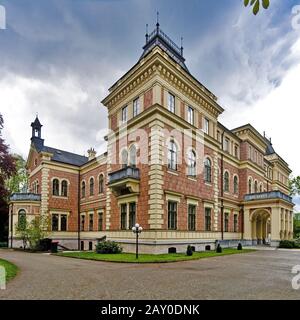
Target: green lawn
11,269
149,258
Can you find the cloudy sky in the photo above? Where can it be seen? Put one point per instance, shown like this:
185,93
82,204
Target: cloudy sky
59,57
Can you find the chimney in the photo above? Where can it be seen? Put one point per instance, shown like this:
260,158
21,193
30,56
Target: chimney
91,153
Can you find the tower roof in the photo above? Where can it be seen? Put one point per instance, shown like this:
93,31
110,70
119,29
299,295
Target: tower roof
158,38
36,123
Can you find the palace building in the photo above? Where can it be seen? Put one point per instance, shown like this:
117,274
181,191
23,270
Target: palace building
170,166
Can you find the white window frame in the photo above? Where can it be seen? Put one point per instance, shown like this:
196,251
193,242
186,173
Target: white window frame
171,102
191,115
124,114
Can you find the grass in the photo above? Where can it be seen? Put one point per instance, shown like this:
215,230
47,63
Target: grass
149,258
10,268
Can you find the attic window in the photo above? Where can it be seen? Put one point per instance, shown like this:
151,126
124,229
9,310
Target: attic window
35,162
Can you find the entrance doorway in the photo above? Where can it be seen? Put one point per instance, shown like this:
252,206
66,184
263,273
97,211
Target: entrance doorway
261,227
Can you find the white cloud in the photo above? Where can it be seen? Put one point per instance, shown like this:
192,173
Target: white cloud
278,114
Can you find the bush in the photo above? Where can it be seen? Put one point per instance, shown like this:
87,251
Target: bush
288,244
239,247
108,247
219,248
3,244
189,251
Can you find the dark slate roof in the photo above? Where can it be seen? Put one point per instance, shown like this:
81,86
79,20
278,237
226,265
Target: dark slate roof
159,38
36,123
270,149
66,157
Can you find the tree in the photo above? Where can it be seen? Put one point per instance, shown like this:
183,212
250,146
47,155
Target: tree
256,4
33,232
7,169
294,186
19,181
22,232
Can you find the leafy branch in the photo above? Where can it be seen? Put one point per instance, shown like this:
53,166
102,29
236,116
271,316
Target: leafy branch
256,4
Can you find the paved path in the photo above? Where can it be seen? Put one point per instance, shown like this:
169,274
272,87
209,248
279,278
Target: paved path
256,275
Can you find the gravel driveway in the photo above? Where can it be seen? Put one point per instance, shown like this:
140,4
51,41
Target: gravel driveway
256,275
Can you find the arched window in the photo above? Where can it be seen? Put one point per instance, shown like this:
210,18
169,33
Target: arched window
261,188
64,188
192,163
22,219
207,170
250,186
255,187
55,187
124,158
101,183
235,184
83,189
132,156
226,181
92,186
172,155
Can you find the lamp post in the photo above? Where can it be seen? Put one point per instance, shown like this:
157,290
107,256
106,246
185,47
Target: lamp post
137,229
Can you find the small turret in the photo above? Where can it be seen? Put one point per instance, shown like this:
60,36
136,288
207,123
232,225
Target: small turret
91,154
36,136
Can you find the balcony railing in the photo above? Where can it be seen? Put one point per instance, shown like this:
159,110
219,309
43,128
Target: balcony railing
124,173
25,197
268,195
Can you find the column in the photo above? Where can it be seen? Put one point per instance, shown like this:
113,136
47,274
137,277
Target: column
247,225
275,225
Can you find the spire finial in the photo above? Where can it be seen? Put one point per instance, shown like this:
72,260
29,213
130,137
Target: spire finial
157,22
181,49
147,36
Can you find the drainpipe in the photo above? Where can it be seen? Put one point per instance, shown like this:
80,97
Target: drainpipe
222,188
78,213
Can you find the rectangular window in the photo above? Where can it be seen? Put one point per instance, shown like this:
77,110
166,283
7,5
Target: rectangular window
91,222
226,222
250,153
226,145
82,223
192,217
171,102
235,223
207,219
100,221
191,115
124,114
206,126
55,222
123,216
132,214
236,151
172,215
136,107
63,222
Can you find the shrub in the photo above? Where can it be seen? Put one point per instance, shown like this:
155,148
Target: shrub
288,244
219,248
239,247
108,247
189,251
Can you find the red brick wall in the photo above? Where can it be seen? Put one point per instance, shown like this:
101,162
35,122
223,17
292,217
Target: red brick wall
148,99
71,202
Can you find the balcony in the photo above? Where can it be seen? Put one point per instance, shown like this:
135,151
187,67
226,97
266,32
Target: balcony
268,195
25,197
124,181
